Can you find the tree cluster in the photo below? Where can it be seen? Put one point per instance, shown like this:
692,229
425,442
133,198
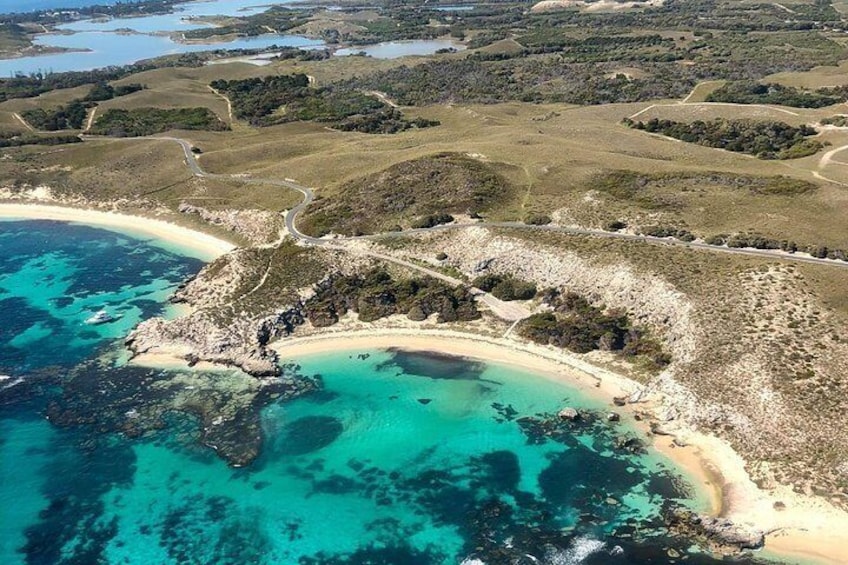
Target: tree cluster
376,295
578,326
505,287
752,92
148,121
764,139
71,116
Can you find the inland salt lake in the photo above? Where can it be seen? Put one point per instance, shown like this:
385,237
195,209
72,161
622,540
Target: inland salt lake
392,457
105,42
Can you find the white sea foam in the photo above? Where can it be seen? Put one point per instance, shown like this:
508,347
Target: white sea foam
4,381
577,552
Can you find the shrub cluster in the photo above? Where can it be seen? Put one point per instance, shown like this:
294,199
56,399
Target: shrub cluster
578,326
148,121
285,98
376,295
765,139
505,287
757,241
668,231
753,92
12,140
432,220
105,91
71,116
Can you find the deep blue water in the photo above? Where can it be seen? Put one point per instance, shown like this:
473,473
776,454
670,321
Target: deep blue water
395,457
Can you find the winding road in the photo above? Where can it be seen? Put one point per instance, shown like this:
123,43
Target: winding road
508,311
308,196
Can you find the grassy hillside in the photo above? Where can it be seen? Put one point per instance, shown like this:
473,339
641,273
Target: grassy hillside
443,183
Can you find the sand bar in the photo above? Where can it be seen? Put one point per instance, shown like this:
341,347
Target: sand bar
194,243
806,529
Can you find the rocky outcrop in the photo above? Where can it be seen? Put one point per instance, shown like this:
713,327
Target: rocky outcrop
718,534
569,414
199,337
256,226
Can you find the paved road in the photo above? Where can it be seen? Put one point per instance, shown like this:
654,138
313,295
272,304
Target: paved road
506,309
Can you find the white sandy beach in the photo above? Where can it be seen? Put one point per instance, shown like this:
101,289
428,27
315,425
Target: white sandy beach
807,529
198,244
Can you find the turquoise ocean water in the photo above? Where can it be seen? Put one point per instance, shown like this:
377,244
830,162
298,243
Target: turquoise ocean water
397,457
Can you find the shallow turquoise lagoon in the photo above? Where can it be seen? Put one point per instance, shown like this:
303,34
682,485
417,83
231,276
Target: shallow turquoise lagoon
398,457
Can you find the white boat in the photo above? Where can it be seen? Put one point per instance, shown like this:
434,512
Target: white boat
101,317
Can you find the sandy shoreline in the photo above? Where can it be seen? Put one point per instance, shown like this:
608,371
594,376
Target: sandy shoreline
195,243
806,530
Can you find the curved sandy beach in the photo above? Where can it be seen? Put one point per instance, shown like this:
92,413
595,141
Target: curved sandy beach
191,242
806,530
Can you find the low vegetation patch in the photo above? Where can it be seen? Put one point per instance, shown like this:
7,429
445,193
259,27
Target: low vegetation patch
14,140
505,287
839,121
71,116
753,92
764,139
635,186
418,193
105,91
285,98
578,326
147,121
376,295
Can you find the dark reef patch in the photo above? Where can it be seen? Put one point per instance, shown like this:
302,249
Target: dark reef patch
136,401
309,434
433,365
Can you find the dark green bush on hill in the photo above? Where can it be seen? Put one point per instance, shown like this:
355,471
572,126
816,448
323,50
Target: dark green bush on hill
71,116
104,91
285,98
764,139
753,92
376,295
148,121
505,287
417,193
578,326
431,220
